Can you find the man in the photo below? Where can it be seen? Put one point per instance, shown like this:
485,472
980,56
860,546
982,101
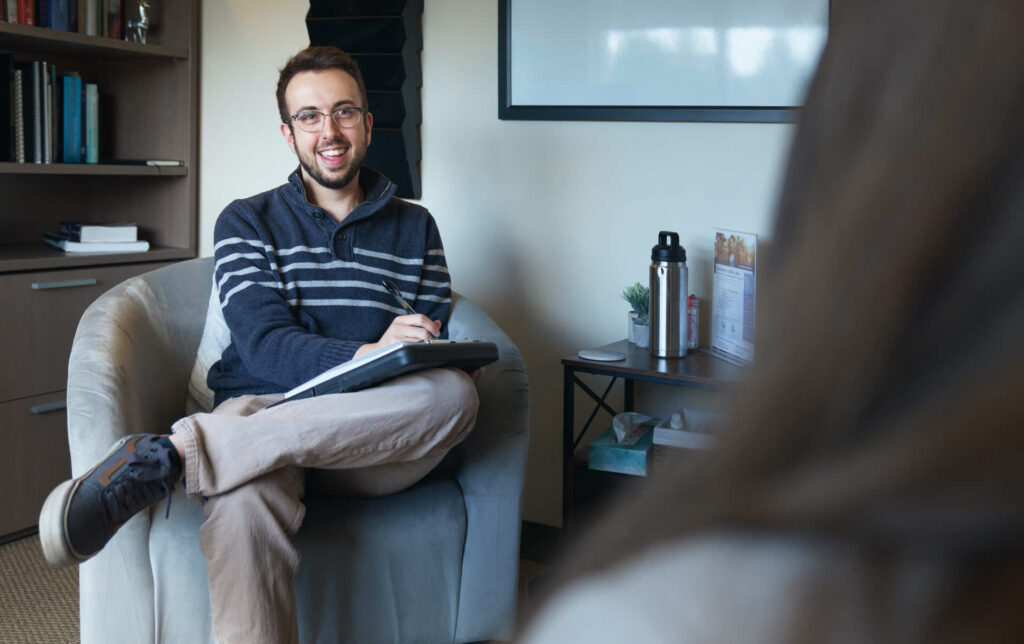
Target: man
298,273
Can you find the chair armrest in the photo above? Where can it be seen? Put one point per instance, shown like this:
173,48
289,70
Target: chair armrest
490,468
127,373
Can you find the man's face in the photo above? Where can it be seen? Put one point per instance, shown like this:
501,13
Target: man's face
331,157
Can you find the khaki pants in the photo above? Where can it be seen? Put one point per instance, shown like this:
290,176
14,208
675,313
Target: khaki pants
248,462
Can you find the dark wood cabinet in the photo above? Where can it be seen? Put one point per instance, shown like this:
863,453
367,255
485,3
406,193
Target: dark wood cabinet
148,109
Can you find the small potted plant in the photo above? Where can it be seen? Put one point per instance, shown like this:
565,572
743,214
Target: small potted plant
639,297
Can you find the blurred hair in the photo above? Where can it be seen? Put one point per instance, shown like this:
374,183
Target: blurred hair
886,405
316,59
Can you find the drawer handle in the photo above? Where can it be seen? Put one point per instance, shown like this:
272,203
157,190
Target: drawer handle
42,286
54,406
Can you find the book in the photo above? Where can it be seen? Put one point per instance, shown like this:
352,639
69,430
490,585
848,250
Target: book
32,107
17,104
91,233
72,118
56,126
47,114
6,110
69,246
26,12
171,163
46,11
89,17
11,9
113,18
92,135
53,14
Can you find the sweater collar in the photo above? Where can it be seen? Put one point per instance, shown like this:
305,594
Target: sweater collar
377,191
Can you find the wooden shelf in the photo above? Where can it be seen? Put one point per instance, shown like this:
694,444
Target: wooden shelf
37,40
93,169
34,257
148,100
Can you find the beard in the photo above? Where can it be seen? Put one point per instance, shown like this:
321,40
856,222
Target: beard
312,168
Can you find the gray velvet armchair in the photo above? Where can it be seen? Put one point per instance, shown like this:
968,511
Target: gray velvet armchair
435,563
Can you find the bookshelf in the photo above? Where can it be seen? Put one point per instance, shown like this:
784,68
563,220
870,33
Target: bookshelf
148,109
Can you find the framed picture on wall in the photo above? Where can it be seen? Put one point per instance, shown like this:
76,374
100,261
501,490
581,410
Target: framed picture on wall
657,60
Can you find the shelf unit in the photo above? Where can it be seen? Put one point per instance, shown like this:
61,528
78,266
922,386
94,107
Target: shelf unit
148,109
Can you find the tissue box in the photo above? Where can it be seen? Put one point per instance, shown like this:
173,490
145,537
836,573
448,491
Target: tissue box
609,456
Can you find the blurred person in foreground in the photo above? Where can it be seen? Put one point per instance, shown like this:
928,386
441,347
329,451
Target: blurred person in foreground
870,484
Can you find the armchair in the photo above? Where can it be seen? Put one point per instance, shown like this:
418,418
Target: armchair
435,563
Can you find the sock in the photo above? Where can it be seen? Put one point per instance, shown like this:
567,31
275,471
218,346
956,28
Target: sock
175,458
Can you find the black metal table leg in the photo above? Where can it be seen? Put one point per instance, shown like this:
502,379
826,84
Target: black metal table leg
568,429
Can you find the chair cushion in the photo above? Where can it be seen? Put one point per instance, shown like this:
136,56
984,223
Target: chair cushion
382,570
216,338
373,570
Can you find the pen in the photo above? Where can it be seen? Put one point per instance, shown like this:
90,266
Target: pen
390,286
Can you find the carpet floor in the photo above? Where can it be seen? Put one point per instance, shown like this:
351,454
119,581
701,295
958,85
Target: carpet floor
38,604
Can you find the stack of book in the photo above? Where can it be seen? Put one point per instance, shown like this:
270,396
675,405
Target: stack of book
53,117
75,237
90,17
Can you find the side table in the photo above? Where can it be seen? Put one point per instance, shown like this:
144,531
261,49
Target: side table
697,369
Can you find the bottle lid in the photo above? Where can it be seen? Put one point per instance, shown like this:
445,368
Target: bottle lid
668,248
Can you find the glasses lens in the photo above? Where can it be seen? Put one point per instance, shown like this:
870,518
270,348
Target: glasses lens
309,121
346,117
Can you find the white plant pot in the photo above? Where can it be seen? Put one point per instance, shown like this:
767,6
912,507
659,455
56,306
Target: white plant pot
641,334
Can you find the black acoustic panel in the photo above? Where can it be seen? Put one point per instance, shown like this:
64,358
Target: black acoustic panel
392,109
413,105
355,8
365,35
387,153
388,108
385,38
411,138
389,72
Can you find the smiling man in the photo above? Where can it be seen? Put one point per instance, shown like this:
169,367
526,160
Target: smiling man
332,158
298,275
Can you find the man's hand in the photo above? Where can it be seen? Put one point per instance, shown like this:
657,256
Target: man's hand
404,328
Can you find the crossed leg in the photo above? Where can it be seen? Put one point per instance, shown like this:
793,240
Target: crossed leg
248,462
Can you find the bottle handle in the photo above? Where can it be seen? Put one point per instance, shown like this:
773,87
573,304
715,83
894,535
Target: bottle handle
664,236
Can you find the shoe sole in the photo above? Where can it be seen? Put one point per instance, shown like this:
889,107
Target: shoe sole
53,517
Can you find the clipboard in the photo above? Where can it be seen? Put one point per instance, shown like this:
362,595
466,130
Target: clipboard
392,361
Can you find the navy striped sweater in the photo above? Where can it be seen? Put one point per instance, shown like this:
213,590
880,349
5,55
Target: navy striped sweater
301,292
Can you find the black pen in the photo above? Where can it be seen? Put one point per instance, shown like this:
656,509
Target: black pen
390,286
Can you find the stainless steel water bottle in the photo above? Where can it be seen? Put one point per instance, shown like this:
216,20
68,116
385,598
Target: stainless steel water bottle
668,297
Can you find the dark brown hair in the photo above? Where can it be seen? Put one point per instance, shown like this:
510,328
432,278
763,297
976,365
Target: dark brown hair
316,59
886,406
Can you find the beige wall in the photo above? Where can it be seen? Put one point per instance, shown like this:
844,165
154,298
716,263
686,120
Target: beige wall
544,223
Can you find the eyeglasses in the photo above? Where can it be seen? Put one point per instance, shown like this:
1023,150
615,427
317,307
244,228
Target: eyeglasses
313,120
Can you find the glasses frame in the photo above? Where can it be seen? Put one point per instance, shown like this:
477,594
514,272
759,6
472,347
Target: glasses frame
363,111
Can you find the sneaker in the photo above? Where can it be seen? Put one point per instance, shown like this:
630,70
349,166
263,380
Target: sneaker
81,515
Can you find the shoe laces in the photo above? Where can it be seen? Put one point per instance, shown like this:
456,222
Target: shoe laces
143,481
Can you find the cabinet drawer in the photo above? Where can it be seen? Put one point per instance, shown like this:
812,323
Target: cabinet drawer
42,311
35,457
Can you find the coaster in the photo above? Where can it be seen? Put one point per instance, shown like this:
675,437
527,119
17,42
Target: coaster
603,356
